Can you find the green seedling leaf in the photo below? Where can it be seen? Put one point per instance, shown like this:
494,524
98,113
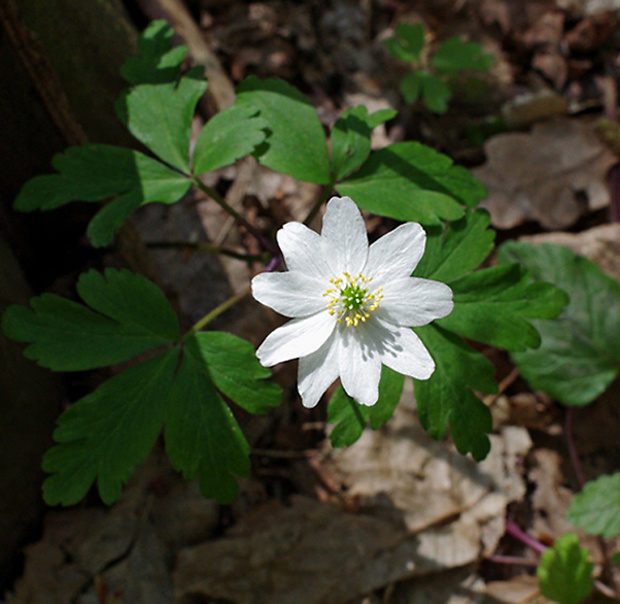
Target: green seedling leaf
229,135
446,399
202,435
408,42
350,138
580,352
96,172
427,86
128,315
296,144
457,249
596,509
454,55
160,115
236,372
351,418
492,305
411,182
564,572
156,61
106,434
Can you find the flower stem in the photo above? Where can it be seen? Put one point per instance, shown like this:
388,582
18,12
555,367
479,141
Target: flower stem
357,412
325,193
213,194
212,249
217,311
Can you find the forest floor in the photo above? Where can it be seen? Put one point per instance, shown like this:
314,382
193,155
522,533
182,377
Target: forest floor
396,517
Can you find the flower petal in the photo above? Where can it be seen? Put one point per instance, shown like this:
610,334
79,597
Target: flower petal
359,363
292,294
303,250
345,232
317,372
297,338
414,302
401,349
397,253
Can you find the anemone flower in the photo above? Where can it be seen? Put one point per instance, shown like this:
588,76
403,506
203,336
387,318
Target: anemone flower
352,305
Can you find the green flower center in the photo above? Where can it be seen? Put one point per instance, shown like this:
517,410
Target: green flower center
350,299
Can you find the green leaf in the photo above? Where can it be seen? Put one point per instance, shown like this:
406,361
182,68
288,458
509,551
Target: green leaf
202,435
106,434
408,42
95,172
422,84
156,61
350,417
446,398
596,509
492,305
160,115
580,352
129,316
457,249
564,572
296,144
411,182
229,135
454,55
236,372
350,138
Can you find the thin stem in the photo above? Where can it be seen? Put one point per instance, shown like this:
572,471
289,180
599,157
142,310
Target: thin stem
213,194
513,529
499,559
572,449
325,193
212,249
217,311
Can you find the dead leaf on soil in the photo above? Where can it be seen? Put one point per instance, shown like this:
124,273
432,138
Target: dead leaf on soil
423,510
552,175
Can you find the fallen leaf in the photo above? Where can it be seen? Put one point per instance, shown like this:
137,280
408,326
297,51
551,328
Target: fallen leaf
552,175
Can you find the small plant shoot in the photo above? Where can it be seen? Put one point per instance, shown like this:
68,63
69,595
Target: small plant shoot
433,78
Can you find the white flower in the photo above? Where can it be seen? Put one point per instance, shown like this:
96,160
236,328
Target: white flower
352,305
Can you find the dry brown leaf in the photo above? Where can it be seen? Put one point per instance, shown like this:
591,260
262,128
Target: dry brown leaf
552,175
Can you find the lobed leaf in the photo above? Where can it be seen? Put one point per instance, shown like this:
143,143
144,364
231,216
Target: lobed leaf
128,315
156,62
596,509
565,574
160,116
236,372
457,249
408,42
431,88
350,138
454,55
106,434
350,417
446,398
229,135
580,352
491,306
202,435
95,172
296,144
411,182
